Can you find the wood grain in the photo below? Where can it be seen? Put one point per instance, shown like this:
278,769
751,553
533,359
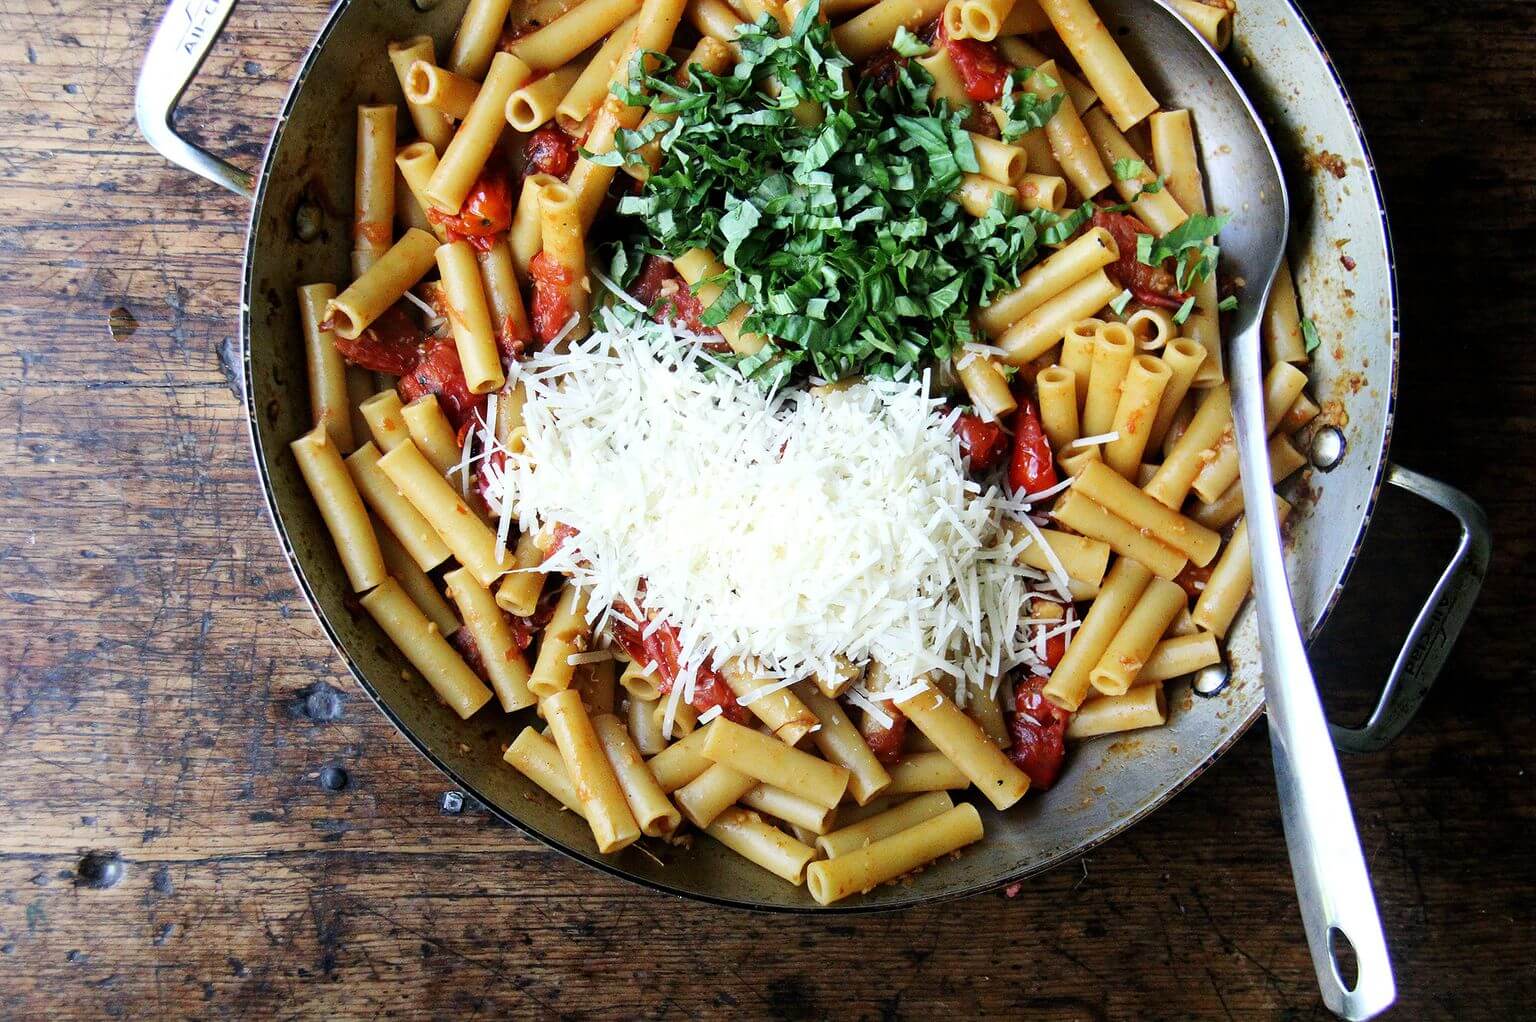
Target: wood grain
204,818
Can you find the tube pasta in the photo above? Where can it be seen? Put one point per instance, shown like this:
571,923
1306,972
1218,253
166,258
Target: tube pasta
432,433
696,266
479,32
509,317
773,762
655,816
637,683
536,758
565,635
1212,21
1041,329
392,275
1283,341
1140,393
534,103
416,163
597,786
1183,357
1021,53
526,236
999,161
783,712
1092,519
831,880
840,742
1158,210
1144,706
1282,385
437,89
558,42
587,92
789,807
413,532
978,194
478,133
565,244
416,583
680,762
643,725
1230,580
984,19
1173,153
882,825
982,707
1170,485
386,419
373,183
519,590
985,384
1083,559
1041,191
962,740
865,34
712,792
426,649
470,540
1057,390
746,834
1101,483
329,404
1069,681
1284,459
1120,89
1152,328
926,771
469,316
503,661
1070,141
1113,349
1179,655
1137,636
432,125
341,507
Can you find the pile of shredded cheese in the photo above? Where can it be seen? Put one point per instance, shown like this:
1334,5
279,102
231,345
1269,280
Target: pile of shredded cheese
781,529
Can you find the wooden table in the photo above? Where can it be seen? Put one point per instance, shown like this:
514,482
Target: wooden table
185,835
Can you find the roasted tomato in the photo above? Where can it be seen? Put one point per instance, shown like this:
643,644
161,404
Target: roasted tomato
661,648
983,71
550,151
552,283
391,344
1031,468
1039,730
662,289
438,372
981,441
885,742
487,209
1150,285
882,68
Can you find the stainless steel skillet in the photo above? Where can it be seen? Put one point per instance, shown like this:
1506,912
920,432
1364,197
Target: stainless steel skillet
299,233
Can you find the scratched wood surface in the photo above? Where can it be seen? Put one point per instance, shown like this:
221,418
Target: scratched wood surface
203,818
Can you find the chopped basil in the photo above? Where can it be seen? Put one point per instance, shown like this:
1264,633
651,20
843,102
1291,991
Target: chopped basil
1309,336
843,237
1184,310
1129,170
1227,304
908,45
1120,301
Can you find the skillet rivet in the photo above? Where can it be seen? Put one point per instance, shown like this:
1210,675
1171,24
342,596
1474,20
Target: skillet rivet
306,221
1208,681
1327,448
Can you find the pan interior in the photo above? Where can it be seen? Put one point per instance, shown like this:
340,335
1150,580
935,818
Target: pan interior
307,180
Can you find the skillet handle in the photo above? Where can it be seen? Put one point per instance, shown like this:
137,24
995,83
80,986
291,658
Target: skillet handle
1439,622
178,49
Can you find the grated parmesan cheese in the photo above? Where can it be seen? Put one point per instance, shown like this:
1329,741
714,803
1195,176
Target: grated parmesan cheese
787,528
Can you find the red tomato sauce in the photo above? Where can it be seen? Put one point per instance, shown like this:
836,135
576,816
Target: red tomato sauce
550,151
390,344
983,71
662,289
981,441
1149,285
439,372
1039,730
487,210
551,296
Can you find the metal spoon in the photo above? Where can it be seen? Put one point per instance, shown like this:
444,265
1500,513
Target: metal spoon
1245,180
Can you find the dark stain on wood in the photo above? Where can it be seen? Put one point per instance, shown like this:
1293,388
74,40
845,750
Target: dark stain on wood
161,678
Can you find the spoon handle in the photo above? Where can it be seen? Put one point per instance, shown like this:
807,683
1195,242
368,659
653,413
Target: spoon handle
1338,909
